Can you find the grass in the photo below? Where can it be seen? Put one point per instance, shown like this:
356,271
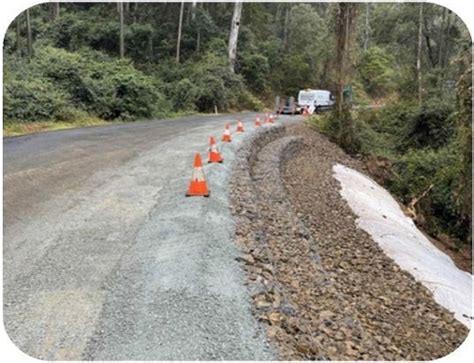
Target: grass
18,128
12,128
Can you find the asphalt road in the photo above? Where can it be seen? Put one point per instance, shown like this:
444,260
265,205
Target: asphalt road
104,257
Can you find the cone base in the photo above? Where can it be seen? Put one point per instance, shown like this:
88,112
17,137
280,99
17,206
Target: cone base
198,189
215,157
199,195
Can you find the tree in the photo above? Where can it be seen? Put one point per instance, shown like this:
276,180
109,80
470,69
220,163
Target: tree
234,34
193,10
441,38
345,19
464,116
285,26
121,20
18,37
367,26
180,25
418,57
29,37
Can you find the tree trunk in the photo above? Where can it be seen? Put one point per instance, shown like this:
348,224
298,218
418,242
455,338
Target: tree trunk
343,31
18,37
150,48
428,44
188,15
234,34
345,19
367,26
29,37
418,57
198,40
285,26
134,17
444,60
441,38
180,25
54,10
278,13
122,38
198,37
193,10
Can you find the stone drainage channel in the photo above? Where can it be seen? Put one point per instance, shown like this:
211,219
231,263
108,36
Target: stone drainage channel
305,313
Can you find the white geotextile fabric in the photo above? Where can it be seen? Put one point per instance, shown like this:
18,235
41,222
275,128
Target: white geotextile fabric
401,240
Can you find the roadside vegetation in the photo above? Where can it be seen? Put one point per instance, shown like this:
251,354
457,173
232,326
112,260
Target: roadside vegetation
401,74
418,143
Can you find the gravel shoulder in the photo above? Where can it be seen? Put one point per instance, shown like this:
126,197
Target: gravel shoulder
322,288
104,257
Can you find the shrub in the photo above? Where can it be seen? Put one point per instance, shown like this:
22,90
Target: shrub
216,84
247,101
418,169
87,80
32,99
254,68
376,71
183,94
430,126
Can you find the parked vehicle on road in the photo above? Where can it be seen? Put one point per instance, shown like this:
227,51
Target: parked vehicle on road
315,99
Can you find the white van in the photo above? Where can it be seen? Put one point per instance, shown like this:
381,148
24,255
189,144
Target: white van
315,99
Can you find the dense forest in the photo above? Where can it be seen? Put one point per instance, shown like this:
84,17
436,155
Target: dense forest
401,74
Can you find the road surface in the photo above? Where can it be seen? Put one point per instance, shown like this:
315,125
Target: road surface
105,259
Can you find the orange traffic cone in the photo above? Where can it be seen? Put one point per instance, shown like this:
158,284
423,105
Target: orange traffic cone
240,126
214,154
257,121
198,185
226,137
270,118
306,111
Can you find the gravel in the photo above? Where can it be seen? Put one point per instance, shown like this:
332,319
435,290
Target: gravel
322,288
105,258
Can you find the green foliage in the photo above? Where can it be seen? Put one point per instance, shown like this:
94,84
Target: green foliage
217,85
139,40
294,73
248,101
306,28
183,94
424,150
59,83
32,99
376,71
431,126
255,70
340,128
417,170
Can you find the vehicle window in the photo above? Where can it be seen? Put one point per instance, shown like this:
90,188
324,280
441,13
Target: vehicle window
306,97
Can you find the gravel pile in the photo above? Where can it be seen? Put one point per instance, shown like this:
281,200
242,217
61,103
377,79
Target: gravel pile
321,287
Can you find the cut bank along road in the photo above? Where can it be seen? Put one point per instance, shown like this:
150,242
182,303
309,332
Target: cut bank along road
104,258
